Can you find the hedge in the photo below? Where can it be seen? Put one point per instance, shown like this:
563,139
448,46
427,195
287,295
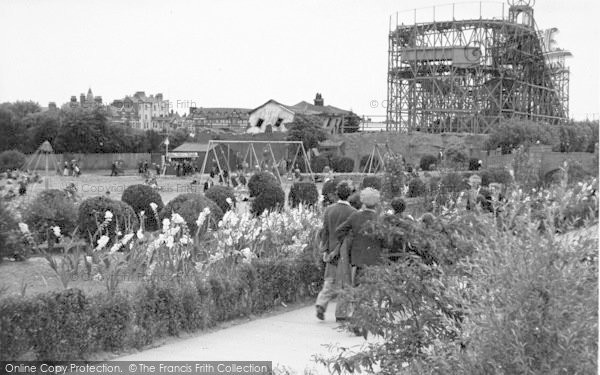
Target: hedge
92,211
342,164
70,325
139,198
374,182
304,192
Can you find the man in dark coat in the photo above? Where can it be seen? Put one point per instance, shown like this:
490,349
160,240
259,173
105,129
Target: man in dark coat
334,215
365,250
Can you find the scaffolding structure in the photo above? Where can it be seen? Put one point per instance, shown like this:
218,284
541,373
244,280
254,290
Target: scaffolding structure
467,75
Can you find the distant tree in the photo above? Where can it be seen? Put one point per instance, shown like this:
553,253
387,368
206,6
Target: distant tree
83,131
12,131
41,126
22,108
351,123
307,129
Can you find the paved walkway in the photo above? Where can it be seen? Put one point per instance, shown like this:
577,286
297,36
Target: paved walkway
289,339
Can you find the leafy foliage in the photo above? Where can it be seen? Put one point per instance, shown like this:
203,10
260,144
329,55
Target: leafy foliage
219,195
372,181
92,217
49,209
189,206
416,187
139,198
342,164
304,193
427,161
259,181
270,198
306,129
12,159
393,180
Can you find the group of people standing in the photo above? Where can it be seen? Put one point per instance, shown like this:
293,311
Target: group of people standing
71,168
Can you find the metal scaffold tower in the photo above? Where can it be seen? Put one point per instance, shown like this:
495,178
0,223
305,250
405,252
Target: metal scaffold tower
466,75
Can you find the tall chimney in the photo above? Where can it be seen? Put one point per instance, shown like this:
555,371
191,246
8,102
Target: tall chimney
319,100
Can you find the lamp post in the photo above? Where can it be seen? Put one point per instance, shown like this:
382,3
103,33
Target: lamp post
166,150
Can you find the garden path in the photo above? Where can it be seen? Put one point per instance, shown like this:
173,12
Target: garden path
289,339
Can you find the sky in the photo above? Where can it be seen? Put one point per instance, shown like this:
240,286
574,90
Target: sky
239,53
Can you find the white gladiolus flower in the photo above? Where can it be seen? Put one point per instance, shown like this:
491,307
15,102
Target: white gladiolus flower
184,240
177,219
153,206
229,201
115,247
127,238
206,211
165,224
56,231
169,242
24,228
108,215
142,213
102,241
88,258
140,234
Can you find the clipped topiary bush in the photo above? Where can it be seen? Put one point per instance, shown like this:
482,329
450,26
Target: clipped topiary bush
416,188
49,209
304,192
11,159
92,213
139,198
189,206
219,195
259,180
374,182
427,161
270,198
342,164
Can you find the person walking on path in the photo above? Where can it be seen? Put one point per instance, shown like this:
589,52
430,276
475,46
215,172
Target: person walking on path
365,250
337,267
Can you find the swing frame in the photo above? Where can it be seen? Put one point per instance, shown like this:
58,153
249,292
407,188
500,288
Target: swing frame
251,152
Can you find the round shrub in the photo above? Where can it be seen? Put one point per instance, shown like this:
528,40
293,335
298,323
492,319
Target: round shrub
271,198
139,198
317,164
371,181
51,208
364,163
259,180
189,206
456,156
427,161
92,214
11,159
416,188
342,164
453,182
303,192
219,195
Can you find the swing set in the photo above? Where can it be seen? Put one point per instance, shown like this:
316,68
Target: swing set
251,156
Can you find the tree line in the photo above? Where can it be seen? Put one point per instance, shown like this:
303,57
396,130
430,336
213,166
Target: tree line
24,127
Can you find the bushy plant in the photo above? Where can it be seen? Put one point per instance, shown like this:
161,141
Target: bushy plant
271,198
318,163
303,192
427,161
49,209
416,188
393,179
328,191
94,221
342,164
457,157
259,180
497,175
374,182
12,159
220,194
189,206
11,244
140,197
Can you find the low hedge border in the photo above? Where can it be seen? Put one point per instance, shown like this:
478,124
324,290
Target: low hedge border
69,325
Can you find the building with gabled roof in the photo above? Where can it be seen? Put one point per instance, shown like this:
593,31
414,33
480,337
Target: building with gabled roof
274,116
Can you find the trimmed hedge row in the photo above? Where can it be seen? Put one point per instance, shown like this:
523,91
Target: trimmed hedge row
70,325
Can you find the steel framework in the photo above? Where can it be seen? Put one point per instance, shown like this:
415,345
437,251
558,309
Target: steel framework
468,75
